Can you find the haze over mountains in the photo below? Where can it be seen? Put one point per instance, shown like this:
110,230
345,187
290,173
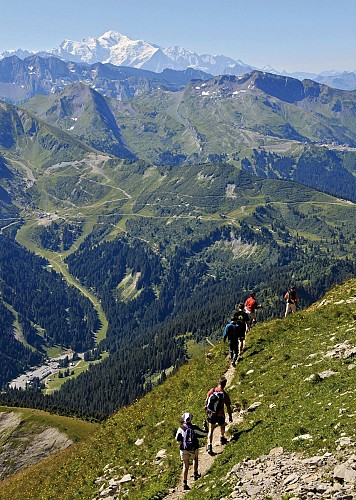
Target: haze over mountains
21,79
117,49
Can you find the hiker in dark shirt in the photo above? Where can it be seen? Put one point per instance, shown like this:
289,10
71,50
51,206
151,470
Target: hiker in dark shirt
235,332
187,436
291,298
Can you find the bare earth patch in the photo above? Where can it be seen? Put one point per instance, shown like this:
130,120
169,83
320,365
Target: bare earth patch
22,447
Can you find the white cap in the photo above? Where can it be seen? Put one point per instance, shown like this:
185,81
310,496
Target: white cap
187,417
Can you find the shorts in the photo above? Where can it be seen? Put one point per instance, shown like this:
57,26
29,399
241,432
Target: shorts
252,314
216,420
291,308
235,346
186,455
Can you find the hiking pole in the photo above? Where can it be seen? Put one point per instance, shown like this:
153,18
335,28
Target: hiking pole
208,341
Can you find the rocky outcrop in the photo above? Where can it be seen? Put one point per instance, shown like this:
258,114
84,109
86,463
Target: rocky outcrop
283,474
21,446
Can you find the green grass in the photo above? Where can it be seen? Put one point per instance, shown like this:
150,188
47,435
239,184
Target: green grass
74,428
283,354
55,383
194,349
54,351
56,259
17,327
277,352
71,474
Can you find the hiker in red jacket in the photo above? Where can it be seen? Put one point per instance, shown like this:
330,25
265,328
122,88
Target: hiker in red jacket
216,399
251,305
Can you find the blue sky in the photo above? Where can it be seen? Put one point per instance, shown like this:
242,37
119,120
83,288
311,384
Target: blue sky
296,35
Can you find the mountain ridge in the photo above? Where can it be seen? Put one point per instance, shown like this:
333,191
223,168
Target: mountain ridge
113,47
280,116
21,79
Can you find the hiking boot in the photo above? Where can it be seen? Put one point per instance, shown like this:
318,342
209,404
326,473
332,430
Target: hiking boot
196,476
185,487
223,440
210,449
233,364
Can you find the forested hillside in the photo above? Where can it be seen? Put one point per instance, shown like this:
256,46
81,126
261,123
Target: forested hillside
172,277
130,229
330,171
44,309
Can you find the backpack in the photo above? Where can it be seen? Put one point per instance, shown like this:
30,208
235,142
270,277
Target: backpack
231,332
290,296
188,438
240,323
215,402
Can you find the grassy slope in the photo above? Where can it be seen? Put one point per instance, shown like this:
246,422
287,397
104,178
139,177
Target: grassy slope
34,437
190,122
74,428
278,353
282,354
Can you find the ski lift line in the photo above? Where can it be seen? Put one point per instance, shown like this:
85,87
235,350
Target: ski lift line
195,195
113,187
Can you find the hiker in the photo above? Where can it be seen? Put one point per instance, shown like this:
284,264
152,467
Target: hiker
291,298
216,399
187,435
251,305
235,332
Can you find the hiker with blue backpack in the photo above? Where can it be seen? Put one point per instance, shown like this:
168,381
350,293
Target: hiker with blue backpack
235,332
187,436
216,400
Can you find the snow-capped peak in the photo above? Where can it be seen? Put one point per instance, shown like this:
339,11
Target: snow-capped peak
115,48
118,49
111,38
111,47
21,54
269,69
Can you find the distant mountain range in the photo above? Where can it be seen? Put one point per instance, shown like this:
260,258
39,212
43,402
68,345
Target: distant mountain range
119,50
21,79
223,118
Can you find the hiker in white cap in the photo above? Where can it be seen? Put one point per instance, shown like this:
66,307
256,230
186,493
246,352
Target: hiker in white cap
187,436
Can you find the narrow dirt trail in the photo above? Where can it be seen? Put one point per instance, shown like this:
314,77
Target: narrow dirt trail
205,460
